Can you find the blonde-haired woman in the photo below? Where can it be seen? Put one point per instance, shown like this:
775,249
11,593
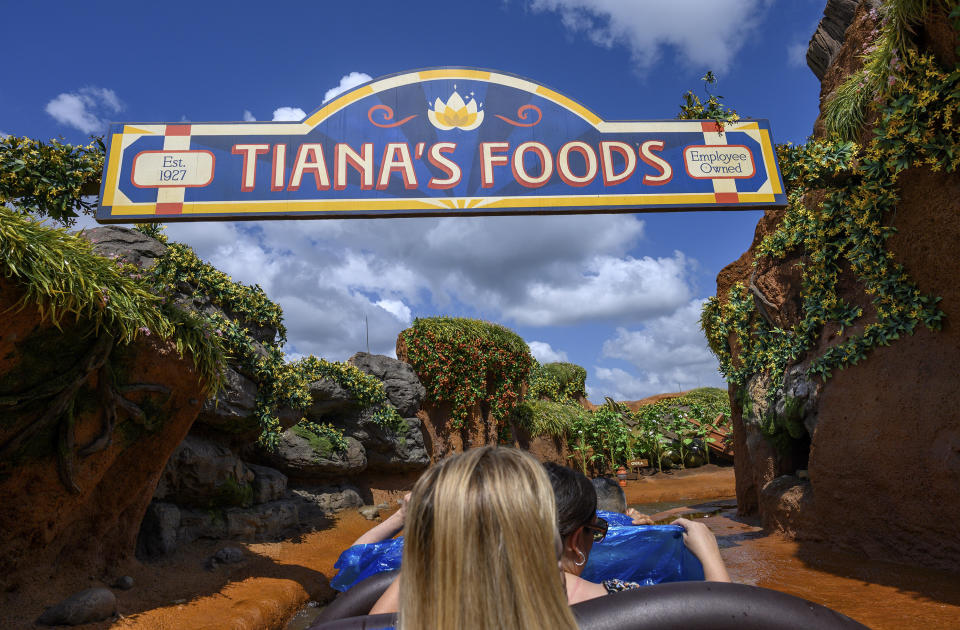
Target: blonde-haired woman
481,548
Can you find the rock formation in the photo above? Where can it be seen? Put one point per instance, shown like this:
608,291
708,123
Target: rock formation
828,38
879,467
211,489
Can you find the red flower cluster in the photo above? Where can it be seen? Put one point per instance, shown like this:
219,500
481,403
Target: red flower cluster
462,368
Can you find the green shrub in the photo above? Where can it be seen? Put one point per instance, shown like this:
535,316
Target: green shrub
467,361
546,417
560,382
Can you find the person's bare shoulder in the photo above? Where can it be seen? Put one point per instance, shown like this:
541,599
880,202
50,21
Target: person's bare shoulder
580,590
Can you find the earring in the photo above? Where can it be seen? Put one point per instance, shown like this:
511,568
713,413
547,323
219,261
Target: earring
583,559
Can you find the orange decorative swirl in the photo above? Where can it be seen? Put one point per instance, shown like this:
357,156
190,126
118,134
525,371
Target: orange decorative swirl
387,115
522,114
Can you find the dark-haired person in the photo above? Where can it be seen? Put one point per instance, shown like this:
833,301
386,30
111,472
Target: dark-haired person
580,527
610,498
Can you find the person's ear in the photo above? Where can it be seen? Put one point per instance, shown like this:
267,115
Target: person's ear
575,542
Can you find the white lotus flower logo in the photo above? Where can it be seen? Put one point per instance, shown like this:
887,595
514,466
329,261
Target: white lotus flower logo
455,114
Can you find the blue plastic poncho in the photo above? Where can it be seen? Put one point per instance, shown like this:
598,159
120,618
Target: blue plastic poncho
361,561
615,518
648,554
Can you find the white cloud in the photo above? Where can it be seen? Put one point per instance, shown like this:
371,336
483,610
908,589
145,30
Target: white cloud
85,109
327,275
248,116
670,354
331,323
544,353
396,308
3,134
797,55
325,296
289,113
705,33
347,82
607,288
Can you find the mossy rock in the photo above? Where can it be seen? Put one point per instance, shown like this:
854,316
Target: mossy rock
320,444
232,494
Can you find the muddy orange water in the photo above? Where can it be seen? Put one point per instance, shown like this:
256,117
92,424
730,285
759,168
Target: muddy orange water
880,595
277,579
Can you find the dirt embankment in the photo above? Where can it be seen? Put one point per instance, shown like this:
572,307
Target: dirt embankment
706,482
634,405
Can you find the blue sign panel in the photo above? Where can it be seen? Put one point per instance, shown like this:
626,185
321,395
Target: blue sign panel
444,141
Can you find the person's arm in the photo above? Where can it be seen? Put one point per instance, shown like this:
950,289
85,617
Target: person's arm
638,517
389,602
390,527
703,544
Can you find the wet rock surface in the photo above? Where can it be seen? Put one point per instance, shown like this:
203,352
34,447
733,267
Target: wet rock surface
369,512
124,583
231,410
299,457
158,531
391,451
329,398
229,555
319,502
87,606
210,489
167,526
268,484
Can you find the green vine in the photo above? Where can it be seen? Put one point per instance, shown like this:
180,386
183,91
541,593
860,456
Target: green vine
62,277
846,112
49,179
917,127
180,266
468,361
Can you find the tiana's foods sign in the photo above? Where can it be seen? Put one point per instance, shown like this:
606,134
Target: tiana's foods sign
447,141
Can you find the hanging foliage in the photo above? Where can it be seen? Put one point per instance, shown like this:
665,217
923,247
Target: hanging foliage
917,126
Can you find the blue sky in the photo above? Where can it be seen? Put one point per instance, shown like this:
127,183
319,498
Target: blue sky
617,294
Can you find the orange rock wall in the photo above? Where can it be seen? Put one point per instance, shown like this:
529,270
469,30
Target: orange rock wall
43,526
884,460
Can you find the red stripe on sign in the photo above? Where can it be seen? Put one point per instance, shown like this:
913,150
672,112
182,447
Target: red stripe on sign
706,127
718,197
170,208
177,130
